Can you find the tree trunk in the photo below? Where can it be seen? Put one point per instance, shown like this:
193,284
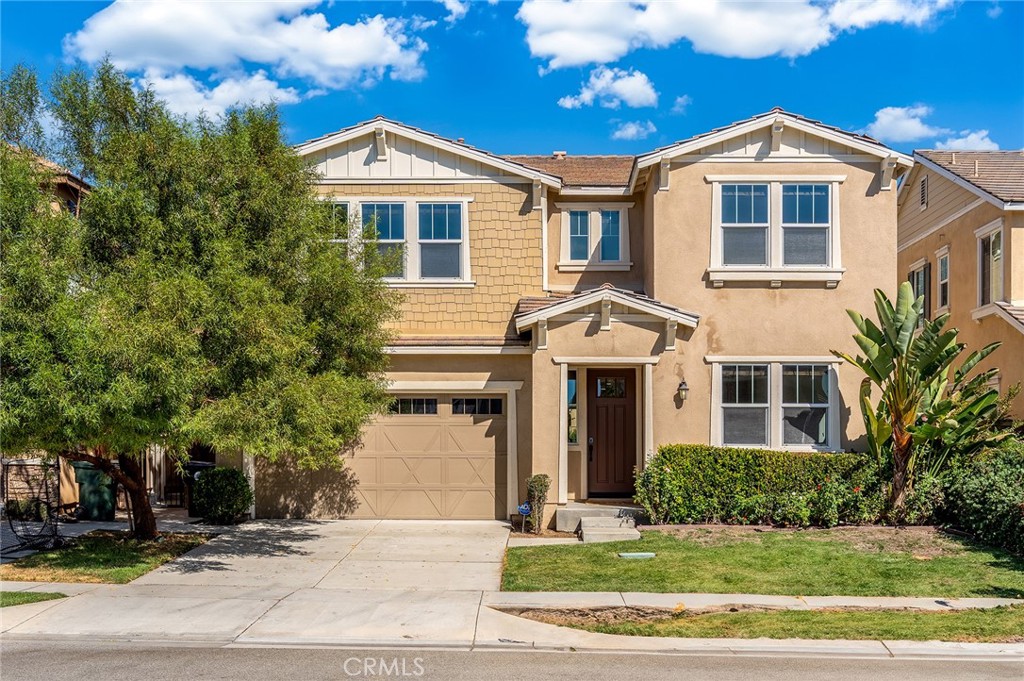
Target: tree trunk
143,520
902,450
130,475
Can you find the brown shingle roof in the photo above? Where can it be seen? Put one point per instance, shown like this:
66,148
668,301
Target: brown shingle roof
488,341
1015,312
999,173
532,304
582,171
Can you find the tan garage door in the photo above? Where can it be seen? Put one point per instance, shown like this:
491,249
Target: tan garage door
438,456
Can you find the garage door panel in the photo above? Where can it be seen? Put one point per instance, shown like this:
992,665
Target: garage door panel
402,438
470,471
470,438
414,504
416,469
471,504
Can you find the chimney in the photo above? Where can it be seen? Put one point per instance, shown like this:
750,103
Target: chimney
953,158
461,140
975,167
558,154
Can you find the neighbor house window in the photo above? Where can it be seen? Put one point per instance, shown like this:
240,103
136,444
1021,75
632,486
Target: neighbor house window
805,224
386,221
414,405
805,404
943,280
340,232
574,418
990,267
745,224
919,280
440,237
745,404
579,235
594,236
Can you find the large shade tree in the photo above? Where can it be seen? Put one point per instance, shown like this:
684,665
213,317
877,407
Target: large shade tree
200,296
924,401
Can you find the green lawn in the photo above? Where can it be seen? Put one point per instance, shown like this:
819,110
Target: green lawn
997,624
811,563
22,597
100,557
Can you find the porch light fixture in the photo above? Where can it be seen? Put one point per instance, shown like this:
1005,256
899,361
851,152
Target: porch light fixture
683,390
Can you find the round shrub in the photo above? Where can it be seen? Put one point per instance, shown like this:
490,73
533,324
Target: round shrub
986,498
223,495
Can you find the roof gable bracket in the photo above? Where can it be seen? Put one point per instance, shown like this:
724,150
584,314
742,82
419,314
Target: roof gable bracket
606,313
538,194
888,167
381,141
777,127
663,174
670,334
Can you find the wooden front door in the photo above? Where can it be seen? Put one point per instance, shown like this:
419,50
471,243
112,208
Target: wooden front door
611,432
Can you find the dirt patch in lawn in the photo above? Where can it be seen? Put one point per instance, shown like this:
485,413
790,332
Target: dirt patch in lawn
582,617
923,543
546,534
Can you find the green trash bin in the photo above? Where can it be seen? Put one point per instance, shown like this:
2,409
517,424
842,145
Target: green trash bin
97,493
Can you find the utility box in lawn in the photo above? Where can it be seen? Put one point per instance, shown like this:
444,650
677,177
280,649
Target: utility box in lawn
97,492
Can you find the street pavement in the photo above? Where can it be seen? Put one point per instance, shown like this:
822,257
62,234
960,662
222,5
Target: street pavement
48,660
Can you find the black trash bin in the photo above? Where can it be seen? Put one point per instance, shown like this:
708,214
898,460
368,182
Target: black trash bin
194,469
97,492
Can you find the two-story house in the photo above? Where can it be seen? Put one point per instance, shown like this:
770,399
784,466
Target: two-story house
569,314
961,244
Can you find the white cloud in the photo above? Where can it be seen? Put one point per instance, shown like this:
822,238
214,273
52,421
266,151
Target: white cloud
611,88
633,130
995,11
456,9
575,32
903,124
186,95
969,140
681,104
216,40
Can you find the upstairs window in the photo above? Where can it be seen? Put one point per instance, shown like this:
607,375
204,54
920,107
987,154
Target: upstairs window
942,290
745,224
579,235
990,267
920,279
805,224
386,221
594,236
440,240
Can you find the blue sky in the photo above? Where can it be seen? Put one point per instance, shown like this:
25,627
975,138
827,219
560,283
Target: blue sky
609,77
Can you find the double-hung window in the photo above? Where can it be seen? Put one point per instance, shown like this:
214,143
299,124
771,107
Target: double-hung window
595,236
745,404
805,224
745,224
990,267
805,404
942,287
919,278
783,404
440,240
386,221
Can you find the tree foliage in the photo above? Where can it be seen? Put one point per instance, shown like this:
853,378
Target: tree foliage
923,399
199,297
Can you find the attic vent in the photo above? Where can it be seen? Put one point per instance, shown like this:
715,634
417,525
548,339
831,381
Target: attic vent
558,154
924,192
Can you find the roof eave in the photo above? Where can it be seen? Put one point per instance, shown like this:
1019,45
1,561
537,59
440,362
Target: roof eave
527,320
966,184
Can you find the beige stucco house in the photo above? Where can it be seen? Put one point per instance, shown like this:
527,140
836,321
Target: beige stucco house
569,314
961,244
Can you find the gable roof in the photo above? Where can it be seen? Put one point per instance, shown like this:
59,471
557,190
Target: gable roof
994,175
858,141
532,310
582,171
430,138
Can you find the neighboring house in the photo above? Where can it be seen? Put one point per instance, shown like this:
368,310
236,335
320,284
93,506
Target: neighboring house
568,315
961,244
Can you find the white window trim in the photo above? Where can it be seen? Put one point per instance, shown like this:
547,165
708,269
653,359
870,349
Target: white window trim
943,252
412,253
775,401
983,309
775,271
594,262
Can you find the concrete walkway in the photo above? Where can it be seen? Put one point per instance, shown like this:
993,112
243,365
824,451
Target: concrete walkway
390,584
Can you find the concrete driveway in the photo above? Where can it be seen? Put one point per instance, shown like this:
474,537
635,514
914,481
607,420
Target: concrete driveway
345,554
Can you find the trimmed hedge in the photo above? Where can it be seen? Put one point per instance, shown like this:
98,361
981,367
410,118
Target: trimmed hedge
223,495
700,483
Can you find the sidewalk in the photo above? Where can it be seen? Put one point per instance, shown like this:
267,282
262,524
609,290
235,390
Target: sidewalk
276,617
